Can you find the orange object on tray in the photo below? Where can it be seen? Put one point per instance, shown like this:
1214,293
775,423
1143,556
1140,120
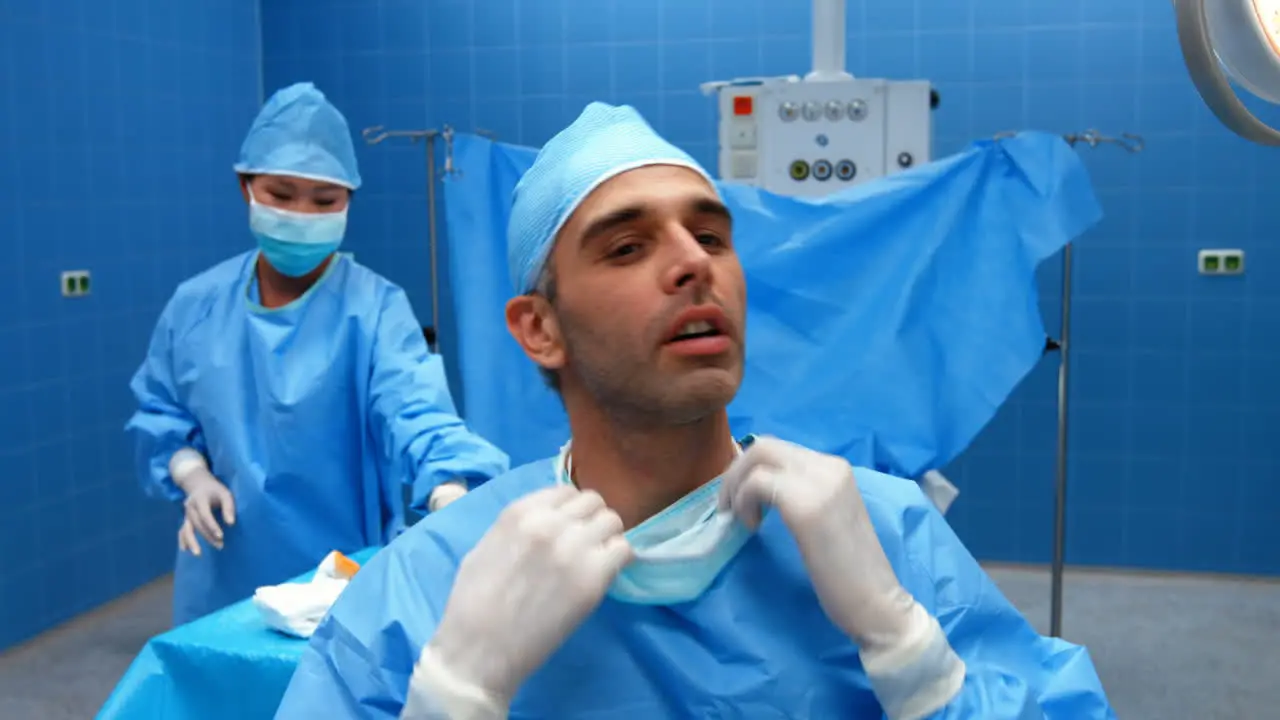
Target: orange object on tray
339,566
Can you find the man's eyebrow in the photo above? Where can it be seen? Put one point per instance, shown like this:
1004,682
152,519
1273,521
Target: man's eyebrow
617,218
603,225
707,206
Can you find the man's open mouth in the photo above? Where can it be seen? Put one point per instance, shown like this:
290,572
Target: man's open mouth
696,329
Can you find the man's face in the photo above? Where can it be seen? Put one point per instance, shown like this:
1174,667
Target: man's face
650,300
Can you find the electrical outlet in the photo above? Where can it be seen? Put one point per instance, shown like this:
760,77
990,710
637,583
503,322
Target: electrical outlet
1221,262
75,283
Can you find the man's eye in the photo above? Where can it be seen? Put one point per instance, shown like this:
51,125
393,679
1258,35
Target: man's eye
624,250
709,239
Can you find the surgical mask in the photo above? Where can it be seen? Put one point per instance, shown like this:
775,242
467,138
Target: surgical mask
295,243
680,551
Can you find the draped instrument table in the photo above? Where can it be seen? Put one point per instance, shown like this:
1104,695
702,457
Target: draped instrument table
228,664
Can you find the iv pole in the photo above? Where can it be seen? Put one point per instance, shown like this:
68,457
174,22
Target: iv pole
1092,138
375,135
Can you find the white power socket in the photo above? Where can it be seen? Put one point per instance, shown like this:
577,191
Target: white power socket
1221,262
75,283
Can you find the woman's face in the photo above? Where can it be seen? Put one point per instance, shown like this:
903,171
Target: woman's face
297,194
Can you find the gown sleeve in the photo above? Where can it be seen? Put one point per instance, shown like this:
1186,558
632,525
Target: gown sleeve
413,412
161,425
1011,671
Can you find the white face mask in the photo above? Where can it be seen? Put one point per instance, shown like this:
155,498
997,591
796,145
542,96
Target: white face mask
680,551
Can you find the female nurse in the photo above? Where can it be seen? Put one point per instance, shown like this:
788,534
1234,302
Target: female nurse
288,396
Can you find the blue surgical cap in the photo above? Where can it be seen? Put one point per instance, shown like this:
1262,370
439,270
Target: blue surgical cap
300,133
604,142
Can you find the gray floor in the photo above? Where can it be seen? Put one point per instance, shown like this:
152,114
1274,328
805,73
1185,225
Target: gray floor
67,673
1167,648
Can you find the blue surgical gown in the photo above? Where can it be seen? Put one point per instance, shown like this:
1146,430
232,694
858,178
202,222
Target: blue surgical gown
755,645
315,415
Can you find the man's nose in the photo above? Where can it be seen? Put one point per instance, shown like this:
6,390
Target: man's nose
691,265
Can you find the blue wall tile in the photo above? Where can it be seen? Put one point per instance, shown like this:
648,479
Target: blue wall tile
1172,464
122,121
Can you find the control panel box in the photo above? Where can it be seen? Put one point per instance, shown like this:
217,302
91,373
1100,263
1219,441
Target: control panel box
811,139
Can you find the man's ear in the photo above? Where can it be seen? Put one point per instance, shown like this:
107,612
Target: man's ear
533,323
244,186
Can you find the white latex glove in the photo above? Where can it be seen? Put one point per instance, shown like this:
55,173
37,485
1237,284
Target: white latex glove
187,537
820,503
530,581
445,493
190,472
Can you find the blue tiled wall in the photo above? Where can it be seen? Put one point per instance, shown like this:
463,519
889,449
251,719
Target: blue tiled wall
1174,388
119,122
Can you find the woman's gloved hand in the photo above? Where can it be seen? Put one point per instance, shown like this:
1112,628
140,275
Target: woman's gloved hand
525,587
205,493
444,494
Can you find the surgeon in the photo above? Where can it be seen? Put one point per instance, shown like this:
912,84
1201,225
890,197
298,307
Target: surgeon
657,567
288,395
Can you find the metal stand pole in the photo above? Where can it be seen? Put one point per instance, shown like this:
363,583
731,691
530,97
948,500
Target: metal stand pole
377,134
431,240
1060,492
1134,144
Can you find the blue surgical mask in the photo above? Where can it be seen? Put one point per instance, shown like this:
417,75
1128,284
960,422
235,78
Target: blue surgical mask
680,551
295,243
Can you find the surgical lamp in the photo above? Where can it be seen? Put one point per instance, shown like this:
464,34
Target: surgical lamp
1224,40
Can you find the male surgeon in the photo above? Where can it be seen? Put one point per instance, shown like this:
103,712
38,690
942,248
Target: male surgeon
288,392
657,567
